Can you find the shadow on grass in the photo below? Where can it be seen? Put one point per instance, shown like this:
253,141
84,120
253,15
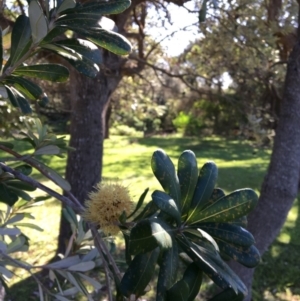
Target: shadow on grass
277,277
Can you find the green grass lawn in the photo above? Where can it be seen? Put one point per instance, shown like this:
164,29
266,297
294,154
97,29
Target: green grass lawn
128,160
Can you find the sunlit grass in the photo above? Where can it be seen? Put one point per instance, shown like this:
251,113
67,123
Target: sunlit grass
128,161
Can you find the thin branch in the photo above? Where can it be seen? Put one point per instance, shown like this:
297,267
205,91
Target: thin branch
66,201
32,162
97,240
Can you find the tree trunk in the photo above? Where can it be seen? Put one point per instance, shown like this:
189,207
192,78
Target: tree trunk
280,186
89,101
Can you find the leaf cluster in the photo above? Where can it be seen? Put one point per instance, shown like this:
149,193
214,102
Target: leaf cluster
190,220
41,31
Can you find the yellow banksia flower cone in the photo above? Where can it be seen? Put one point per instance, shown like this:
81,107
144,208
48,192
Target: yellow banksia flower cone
106,204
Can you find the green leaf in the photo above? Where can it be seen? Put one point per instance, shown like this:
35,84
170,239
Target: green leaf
139,273
57,179
97,286
193,277
82,266
148,234
188,176
47,150
139,203
10,231
38,21
205,186
196,234
25,86
106,39
7,196
216,194
24,169
241,221
7,144
51,72
149,210
210,262
77,20
230,207
7,273
20,40
229,233
102,8
228,295
64,263
179,291
53,33
20,193
30,225
11,97
66,4
17,100
164,171
166,204
16,245
81,63
86,48
167,272
247,256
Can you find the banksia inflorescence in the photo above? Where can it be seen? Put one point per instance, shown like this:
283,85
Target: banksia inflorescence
106,204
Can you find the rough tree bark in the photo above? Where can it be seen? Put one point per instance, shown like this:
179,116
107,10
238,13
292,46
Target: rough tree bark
89,101
280,186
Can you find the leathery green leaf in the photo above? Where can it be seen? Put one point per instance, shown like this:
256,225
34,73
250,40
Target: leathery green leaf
20,40
164,171
38,21
188,175
205,186
148,234
51,72
228,295
210,262
166,204
193,277
110,40
179,291
230,207
247,256
167,272
230,233
139,273
25,86
86,48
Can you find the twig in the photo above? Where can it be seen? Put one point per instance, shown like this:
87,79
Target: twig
97,239
66,201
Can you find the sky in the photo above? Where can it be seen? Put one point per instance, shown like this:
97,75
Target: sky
180,17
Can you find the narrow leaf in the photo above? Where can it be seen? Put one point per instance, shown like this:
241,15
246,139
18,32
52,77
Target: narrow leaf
58,179
140,202
205,186
179,291
82,266
38,22
47,150
29,225
188,176
139,273
66,4
228,208
193,277
20,40
167,272
166,204
148,234
164,171
51,72
229,233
